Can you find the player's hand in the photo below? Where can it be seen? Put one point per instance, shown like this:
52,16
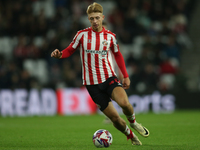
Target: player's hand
56,54
126,83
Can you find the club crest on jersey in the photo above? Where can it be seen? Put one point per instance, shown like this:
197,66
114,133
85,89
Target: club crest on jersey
89,40
105,43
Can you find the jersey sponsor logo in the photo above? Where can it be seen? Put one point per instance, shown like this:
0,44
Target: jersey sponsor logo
103,52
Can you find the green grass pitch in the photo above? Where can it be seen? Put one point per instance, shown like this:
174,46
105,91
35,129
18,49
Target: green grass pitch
177,131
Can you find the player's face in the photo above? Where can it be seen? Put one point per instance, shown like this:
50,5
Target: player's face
96,20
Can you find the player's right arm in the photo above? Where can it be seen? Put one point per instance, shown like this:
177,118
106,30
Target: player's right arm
69,50
63,54
56,54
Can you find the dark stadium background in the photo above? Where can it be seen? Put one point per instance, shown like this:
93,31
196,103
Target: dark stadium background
158,39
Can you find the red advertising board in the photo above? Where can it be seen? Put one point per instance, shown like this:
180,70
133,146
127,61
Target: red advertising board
74,101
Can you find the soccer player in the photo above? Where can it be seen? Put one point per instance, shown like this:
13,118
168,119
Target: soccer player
96,45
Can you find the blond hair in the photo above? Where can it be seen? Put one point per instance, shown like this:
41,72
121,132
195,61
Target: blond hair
94,7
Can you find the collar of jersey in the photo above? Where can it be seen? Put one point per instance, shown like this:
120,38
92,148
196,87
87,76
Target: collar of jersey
98,32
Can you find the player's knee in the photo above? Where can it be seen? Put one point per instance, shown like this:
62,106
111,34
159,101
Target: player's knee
115,119
124,103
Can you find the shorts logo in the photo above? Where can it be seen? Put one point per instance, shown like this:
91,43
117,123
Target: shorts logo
115,80
119,83
111,82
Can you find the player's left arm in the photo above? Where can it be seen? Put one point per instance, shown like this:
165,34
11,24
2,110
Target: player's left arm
121,63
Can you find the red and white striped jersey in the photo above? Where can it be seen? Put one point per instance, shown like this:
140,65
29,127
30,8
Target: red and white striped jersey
95,53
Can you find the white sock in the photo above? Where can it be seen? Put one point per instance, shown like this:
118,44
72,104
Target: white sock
127,130
131,118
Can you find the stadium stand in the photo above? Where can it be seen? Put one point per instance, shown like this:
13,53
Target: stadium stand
151,34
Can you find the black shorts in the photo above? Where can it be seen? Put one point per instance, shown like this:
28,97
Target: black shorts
101,93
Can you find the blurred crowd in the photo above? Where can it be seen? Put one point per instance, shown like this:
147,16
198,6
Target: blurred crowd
151,36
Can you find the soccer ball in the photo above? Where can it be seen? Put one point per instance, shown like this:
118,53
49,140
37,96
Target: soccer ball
102,138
